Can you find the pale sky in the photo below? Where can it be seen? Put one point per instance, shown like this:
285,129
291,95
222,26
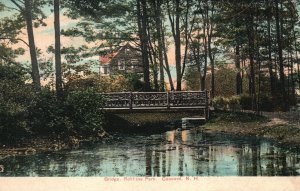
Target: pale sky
44,36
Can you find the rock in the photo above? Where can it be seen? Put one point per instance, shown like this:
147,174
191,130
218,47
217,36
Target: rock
30,151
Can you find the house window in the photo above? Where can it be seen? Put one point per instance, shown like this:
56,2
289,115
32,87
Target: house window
134,63
121,64
105,70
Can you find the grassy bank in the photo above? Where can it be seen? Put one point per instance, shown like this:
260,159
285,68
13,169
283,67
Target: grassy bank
278,127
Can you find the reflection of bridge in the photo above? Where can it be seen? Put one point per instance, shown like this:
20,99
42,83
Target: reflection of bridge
186,100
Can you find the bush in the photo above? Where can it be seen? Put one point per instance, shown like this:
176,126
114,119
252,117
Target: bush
234,103
220,102
85,111
47,114
267,103
15,96
118,83
246,101
79,114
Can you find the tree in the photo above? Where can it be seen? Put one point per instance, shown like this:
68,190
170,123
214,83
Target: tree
31,13
10,28
58,72
142,31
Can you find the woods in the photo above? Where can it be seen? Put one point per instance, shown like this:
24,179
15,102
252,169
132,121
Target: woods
248,49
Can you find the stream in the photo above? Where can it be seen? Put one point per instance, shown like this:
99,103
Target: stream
173,153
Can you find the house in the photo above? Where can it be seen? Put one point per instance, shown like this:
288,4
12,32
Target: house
127,59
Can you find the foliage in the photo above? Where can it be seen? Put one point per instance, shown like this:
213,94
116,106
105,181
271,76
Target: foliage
224,77
227,103
220,102
79,114
246,101
15,95
226,116
134,82
192,79
267,103
47,115
85,111
118,83
24,113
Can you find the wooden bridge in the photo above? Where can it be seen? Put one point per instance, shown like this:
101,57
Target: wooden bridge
183,100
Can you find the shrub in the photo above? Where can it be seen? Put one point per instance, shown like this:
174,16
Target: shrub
118,83
246,102
85,111
47,114
267,103
15,95
220,102
80,113
234,103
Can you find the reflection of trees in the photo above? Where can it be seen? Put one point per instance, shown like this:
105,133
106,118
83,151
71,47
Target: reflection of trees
169,164
248,160
148,155
252,160
156,168
180,161
270,166
273,162
255,154
164,164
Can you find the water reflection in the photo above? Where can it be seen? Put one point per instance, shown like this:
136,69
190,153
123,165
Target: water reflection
174,153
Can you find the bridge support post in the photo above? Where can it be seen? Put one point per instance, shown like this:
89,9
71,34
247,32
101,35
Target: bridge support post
168,100
206,106
130,101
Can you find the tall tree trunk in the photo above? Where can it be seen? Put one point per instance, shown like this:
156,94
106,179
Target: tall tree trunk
142,25
34,63
270,67
297,59
153,61
251,42
177,46
167,67
175,26
160,44
238,67
210,30
212,64
203,78
58,75
298,64
280,57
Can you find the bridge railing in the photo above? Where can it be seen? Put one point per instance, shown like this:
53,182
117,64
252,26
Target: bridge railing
132,100
157,100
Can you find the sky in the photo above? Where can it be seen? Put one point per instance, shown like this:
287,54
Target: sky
44,35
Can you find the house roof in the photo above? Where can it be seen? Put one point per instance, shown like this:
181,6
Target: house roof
107,58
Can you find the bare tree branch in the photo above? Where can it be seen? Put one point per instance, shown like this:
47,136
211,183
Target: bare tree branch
18,39
18,5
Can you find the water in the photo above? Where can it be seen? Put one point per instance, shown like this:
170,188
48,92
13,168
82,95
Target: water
174,153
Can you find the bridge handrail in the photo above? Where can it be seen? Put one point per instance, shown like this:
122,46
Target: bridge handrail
170,99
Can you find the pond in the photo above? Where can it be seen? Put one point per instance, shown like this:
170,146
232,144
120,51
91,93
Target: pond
173,153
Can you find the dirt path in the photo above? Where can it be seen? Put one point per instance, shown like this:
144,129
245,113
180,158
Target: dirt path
277,118
284,127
